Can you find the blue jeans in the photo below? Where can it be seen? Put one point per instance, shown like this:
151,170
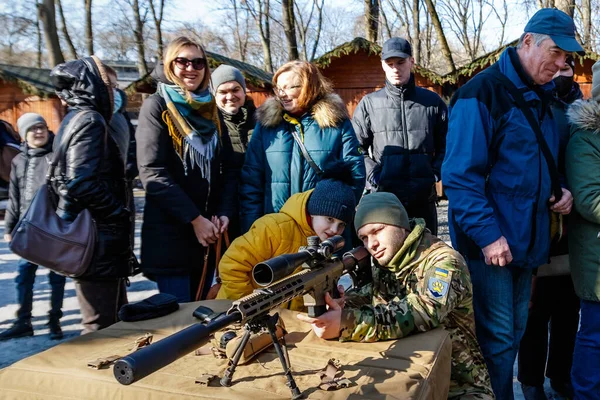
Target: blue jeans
25,280
585,375
177,285
500,302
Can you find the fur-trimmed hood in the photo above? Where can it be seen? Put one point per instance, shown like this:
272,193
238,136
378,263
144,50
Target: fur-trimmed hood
328,112
586,115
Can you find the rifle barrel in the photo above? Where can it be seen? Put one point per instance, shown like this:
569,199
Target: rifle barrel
149,359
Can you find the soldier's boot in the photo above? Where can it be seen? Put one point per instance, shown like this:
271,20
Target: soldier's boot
18,330
56,332
533,392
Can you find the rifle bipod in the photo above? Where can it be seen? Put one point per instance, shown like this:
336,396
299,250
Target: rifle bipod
269,322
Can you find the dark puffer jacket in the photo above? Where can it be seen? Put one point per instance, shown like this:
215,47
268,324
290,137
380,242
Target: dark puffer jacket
92,175
28,173
405,130
173,197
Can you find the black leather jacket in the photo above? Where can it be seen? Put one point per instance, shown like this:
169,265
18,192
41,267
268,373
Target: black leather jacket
92,174
28,173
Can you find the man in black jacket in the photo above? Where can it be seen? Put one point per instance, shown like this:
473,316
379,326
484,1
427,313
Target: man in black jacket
402,132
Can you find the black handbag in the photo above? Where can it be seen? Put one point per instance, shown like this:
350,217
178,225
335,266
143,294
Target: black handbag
43,238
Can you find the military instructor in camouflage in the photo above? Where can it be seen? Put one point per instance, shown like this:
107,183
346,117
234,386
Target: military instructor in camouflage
419,283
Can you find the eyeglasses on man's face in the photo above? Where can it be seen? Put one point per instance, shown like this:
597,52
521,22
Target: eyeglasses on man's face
285,89
197,63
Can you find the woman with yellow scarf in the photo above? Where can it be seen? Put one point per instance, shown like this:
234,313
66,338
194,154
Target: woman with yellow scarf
179,157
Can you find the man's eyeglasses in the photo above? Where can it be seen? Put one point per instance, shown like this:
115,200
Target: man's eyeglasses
277,90
197,63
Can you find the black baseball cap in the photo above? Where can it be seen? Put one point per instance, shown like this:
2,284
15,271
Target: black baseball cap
396,47
558,25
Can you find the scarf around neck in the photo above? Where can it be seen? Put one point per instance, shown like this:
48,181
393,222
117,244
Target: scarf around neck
408,250
193,126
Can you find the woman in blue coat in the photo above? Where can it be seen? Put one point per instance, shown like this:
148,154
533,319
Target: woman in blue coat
302,134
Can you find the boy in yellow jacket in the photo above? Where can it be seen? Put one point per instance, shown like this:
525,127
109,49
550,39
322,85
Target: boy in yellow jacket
324,211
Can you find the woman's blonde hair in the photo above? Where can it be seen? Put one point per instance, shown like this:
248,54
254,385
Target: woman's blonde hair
173,49
314,86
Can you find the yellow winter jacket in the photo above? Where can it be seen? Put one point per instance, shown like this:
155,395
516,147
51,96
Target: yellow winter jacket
270,236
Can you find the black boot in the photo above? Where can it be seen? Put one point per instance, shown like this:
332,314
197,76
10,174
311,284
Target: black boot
19,329
533,392
56,332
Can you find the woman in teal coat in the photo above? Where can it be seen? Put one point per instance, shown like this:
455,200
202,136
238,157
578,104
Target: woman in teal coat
583,175
304,113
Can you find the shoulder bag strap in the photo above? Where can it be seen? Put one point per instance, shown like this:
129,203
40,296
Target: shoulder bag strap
522,104
62,146
307,156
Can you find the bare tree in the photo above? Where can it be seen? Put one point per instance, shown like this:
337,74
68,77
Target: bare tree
305,23
466,21
241,38
89,33
416,39
38,31
138,34
435,19
372,19
568,6
502,18
65,31
586,17
260,14
157,16
48,18
289,27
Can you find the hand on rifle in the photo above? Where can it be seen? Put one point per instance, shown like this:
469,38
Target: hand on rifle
326,326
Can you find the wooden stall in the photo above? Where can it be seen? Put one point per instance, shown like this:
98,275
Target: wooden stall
23,90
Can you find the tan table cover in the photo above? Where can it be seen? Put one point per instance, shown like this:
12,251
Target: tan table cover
416,367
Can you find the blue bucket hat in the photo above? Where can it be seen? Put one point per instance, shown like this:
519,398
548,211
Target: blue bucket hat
558,25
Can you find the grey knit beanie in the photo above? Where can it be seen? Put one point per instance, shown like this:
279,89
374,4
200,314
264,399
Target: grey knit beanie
26,121
226,73
596,81
332,198
381,208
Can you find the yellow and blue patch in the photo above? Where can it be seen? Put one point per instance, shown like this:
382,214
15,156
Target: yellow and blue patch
441,272
437,287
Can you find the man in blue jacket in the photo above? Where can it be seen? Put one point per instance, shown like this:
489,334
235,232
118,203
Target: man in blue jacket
499,186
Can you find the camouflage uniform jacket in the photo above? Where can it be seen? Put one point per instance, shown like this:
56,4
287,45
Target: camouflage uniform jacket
431,287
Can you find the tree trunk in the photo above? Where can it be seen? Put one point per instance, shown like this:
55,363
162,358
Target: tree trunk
372,19
441,36
89,35
65,31
416,44
139,39
568,6
289,27
158,18
47,16
586,12
39,42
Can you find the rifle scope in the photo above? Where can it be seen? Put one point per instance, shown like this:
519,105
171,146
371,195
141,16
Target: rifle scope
277,268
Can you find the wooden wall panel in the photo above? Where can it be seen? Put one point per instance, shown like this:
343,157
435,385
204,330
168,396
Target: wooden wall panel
14,103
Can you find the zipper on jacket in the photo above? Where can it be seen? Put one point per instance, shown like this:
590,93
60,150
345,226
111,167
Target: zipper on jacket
404,128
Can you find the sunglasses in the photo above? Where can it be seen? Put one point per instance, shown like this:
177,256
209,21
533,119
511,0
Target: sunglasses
197,63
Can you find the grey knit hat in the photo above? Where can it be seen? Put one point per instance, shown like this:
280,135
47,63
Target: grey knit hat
381,208
332,198
226,73
596,81
26,121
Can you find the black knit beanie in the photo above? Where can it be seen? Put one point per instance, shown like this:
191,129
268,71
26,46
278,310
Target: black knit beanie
332,198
